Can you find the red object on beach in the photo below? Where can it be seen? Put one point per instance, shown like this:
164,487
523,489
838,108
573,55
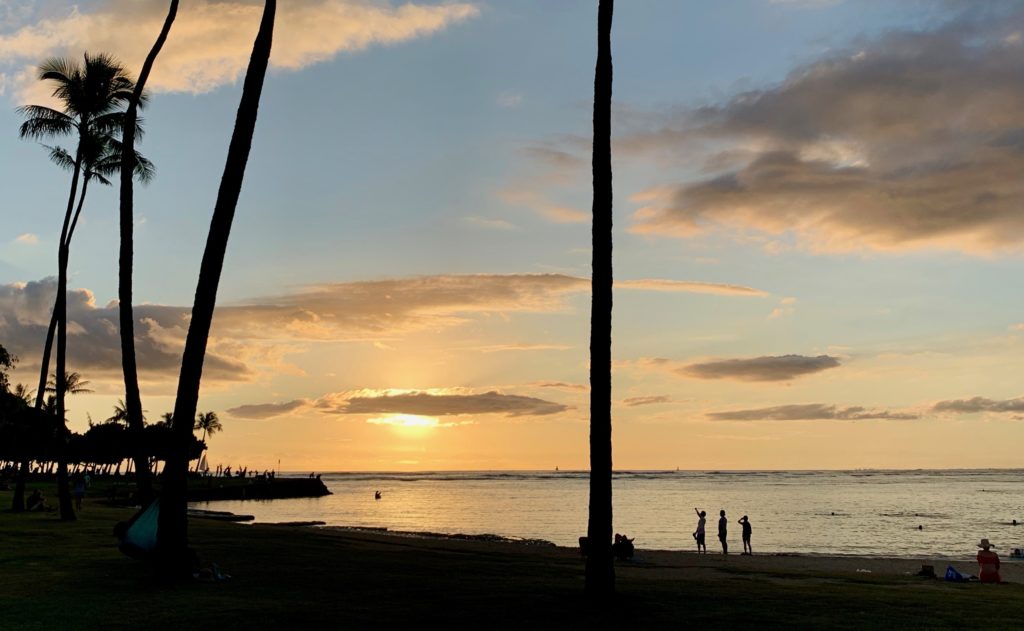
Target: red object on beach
988,562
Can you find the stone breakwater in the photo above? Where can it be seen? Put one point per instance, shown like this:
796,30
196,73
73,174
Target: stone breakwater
212,489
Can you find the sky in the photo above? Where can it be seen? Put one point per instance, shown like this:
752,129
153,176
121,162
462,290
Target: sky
818,230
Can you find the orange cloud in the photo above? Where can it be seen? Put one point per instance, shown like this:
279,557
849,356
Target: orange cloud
211,40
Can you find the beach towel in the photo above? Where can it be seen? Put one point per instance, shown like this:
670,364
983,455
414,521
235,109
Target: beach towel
137,536
955,577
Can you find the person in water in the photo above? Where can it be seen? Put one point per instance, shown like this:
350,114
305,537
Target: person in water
745,522
988,563
698,534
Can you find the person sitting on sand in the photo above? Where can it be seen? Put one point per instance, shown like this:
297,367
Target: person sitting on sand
988,563
745,522
623,547
699,533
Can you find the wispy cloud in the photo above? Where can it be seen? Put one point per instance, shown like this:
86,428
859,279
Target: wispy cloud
211,40
651,400
27,239
501,348
979,404
493,224
267,410
688,286
510,99
560,385
766,368
810,412
257,334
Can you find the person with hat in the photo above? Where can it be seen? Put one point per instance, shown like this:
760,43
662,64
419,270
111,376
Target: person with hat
988,563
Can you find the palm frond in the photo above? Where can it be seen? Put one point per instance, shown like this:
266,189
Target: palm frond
61,157
44,122
60,69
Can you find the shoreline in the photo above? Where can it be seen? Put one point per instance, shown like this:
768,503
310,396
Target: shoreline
882,563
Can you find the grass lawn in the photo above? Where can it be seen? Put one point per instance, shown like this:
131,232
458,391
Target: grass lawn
57,575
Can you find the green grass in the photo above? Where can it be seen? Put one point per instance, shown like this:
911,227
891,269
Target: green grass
70,575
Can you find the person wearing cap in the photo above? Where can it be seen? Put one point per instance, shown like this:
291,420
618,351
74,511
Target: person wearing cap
988,563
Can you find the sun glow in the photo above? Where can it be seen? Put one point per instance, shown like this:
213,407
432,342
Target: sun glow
406,421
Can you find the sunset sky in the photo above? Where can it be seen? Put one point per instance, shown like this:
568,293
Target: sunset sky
819,211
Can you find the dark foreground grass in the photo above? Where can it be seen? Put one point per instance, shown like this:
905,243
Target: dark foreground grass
57,575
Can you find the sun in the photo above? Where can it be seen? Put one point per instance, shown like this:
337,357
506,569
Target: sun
410,425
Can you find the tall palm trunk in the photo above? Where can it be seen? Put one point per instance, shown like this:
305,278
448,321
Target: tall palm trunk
67,511
18,502
132,397
172,533
600,570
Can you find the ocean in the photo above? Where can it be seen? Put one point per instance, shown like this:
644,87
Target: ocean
921,513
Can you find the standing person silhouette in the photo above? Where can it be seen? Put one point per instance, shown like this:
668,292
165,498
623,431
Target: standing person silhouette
699,533
745,522
723,531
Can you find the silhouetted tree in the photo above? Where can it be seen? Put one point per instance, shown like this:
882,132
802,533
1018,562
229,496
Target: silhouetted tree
172,533
133,399
210,424
24,393
6,364
90,95
600,570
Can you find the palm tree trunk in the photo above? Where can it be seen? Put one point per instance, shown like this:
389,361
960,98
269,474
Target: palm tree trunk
172,533
600,570
132,396
67,511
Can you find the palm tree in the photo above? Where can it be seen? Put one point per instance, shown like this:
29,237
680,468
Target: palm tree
210,424
172,531
91,95
600,570
126,259
24,393
120,415
73,384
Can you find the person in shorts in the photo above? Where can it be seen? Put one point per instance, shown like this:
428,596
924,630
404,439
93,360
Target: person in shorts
698,534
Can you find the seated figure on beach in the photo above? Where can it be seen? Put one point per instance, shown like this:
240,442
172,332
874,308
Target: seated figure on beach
698,534
988,563
623,547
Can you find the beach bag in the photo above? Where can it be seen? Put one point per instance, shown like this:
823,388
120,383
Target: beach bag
953,576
